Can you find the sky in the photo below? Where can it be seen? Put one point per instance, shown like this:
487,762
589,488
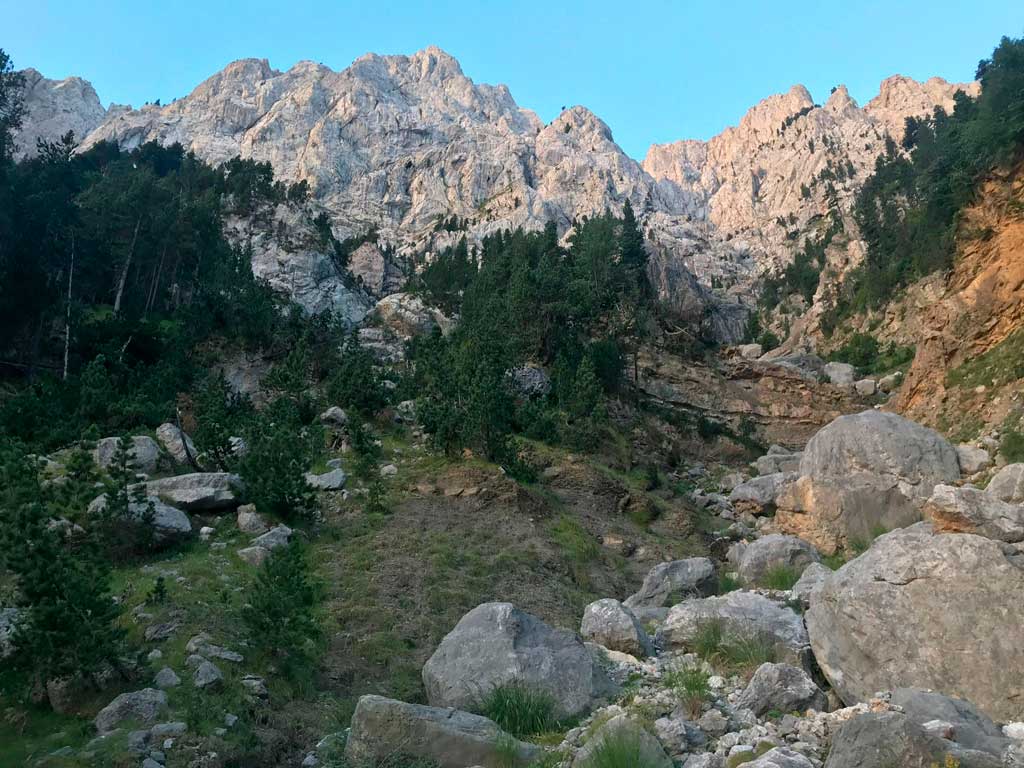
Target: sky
655,71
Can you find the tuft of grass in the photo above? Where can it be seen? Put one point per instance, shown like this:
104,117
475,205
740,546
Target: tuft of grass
619,750
520,710
580,548
781,577
727,583
835,561
690,685
1012,445
747,757
733,651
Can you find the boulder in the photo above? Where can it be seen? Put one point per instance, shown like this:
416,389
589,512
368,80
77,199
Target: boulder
497,644
972,459
668,583
145,453
750,351
1008,484
174,442
382,728
278,536
780,757
865,387
610,624
971,727
530,381
254,556
912,610
334,417
891,382
772,463
971,510
740,613
407,315
782,688
758,495
773,552
886,739
143,706
840,374
166,678
250,521
207,675
198,491
810,583
167,524
328,481
633,743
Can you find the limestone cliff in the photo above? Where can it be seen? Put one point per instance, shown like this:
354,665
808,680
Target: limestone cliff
54,107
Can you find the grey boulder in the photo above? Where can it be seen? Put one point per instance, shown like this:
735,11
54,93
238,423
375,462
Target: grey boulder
176,442
168,524
198,491
971,510
278,536
840,374
143,450
166,678
610,624
143,706
971,727
758,494
382,728
1008,484
777,461
972,459
780,757
774,552
810,583
668,583
207,675
925,610
497,644
782,688
333,480
632,742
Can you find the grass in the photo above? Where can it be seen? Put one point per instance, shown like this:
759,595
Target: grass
520,710
748,757
781,577
1000,365
620,750
858,546
579,547
690,685
727,583
732,651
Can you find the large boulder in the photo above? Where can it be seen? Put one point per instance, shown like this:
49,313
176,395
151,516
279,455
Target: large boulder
610,624
144,452
971,727
198,491
777,460
782,688
668,583
632,742
774,552
972,459
780,757
143,706
887,739
758,494
741,614
177,443
407,315
840,374
1008,484
168,524
927,610
971,510
383,728
497,644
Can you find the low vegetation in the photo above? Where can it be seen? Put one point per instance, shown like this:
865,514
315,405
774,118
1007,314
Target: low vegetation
731,651
520,710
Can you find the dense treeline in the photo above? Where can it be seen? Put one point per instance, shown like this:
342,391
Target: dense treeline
909,210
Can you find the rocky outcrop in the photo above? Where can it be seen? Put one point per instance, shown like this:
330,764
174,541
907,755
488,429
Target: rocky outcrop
54,107
497,644
143,453
971,510
910,611
166,524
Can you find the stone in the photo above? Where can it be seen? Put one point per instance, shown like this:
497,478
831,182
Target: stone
668,583
810,583
608,623
773,552
198,491
166,678
143,450
865,387
781,757
177,444
497,644
741,613
971,510
334,416
149,762
207,675
757,496
206,532
166,524
165,730
774,463
388,470
328,481
250,521
891,382
254,556
840,374
384,727
705,760
901,613
278,536
782,688
143,706
1008,484
971,728
643,747
972,459
750,351
255,686
201,644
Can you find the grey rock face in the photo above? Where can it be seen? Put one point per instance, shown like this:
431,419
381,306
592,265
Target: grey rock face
971,510
384,727
758,494
627,733
175,442
143,450
250,521
972,459
608,623
54,107
497,644
328,481
168,524
887,619
143,706
745,614
840,374
971,728
207,675
781,757
278,536
772,552
166,678
782,688
773,463
198,491
673,581
1008,484
810,583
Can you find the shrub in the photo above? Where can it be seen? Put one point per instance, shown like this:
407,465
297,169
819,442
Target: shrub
273,469
1012,445
519,709
690,685
620,750
781,577
732,650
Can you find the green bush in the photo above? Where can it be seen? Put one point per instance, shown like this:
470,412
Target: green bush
520,710
732,650
690,685
620,750
1012,445
781,577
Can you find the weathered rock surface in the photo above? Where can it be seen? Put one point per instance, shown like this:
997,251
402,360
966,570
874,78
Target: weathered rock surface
971,727
772,552
971,510
1008,484
143,706
782,688
643,748
197,492
143,450
810,582
497,644
758,494
972,459
177,443
278,536
781,757
840,374
668,583
910,612
610,624
166,523
333,480
250,521
382,728
54,107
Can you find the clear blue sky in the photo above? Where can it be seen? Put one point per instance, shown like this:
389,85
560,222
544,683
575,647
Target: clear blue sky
654,70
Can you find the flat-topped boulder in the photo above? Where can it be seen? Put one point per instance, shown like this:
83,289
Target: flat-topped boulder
668,583
758,494
166,524
143,450
198,491
1008,484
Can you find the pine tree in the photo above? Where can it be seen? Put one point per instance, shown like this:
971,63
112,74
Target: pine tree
273,469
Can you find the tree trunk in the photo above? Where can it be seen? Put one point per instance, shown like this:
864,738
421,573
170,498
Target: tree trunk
67,317
156,282
126,267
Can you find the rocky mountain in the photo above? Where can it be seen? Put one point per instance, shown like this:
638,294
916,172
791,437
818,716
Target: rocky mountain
54,107
400,144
